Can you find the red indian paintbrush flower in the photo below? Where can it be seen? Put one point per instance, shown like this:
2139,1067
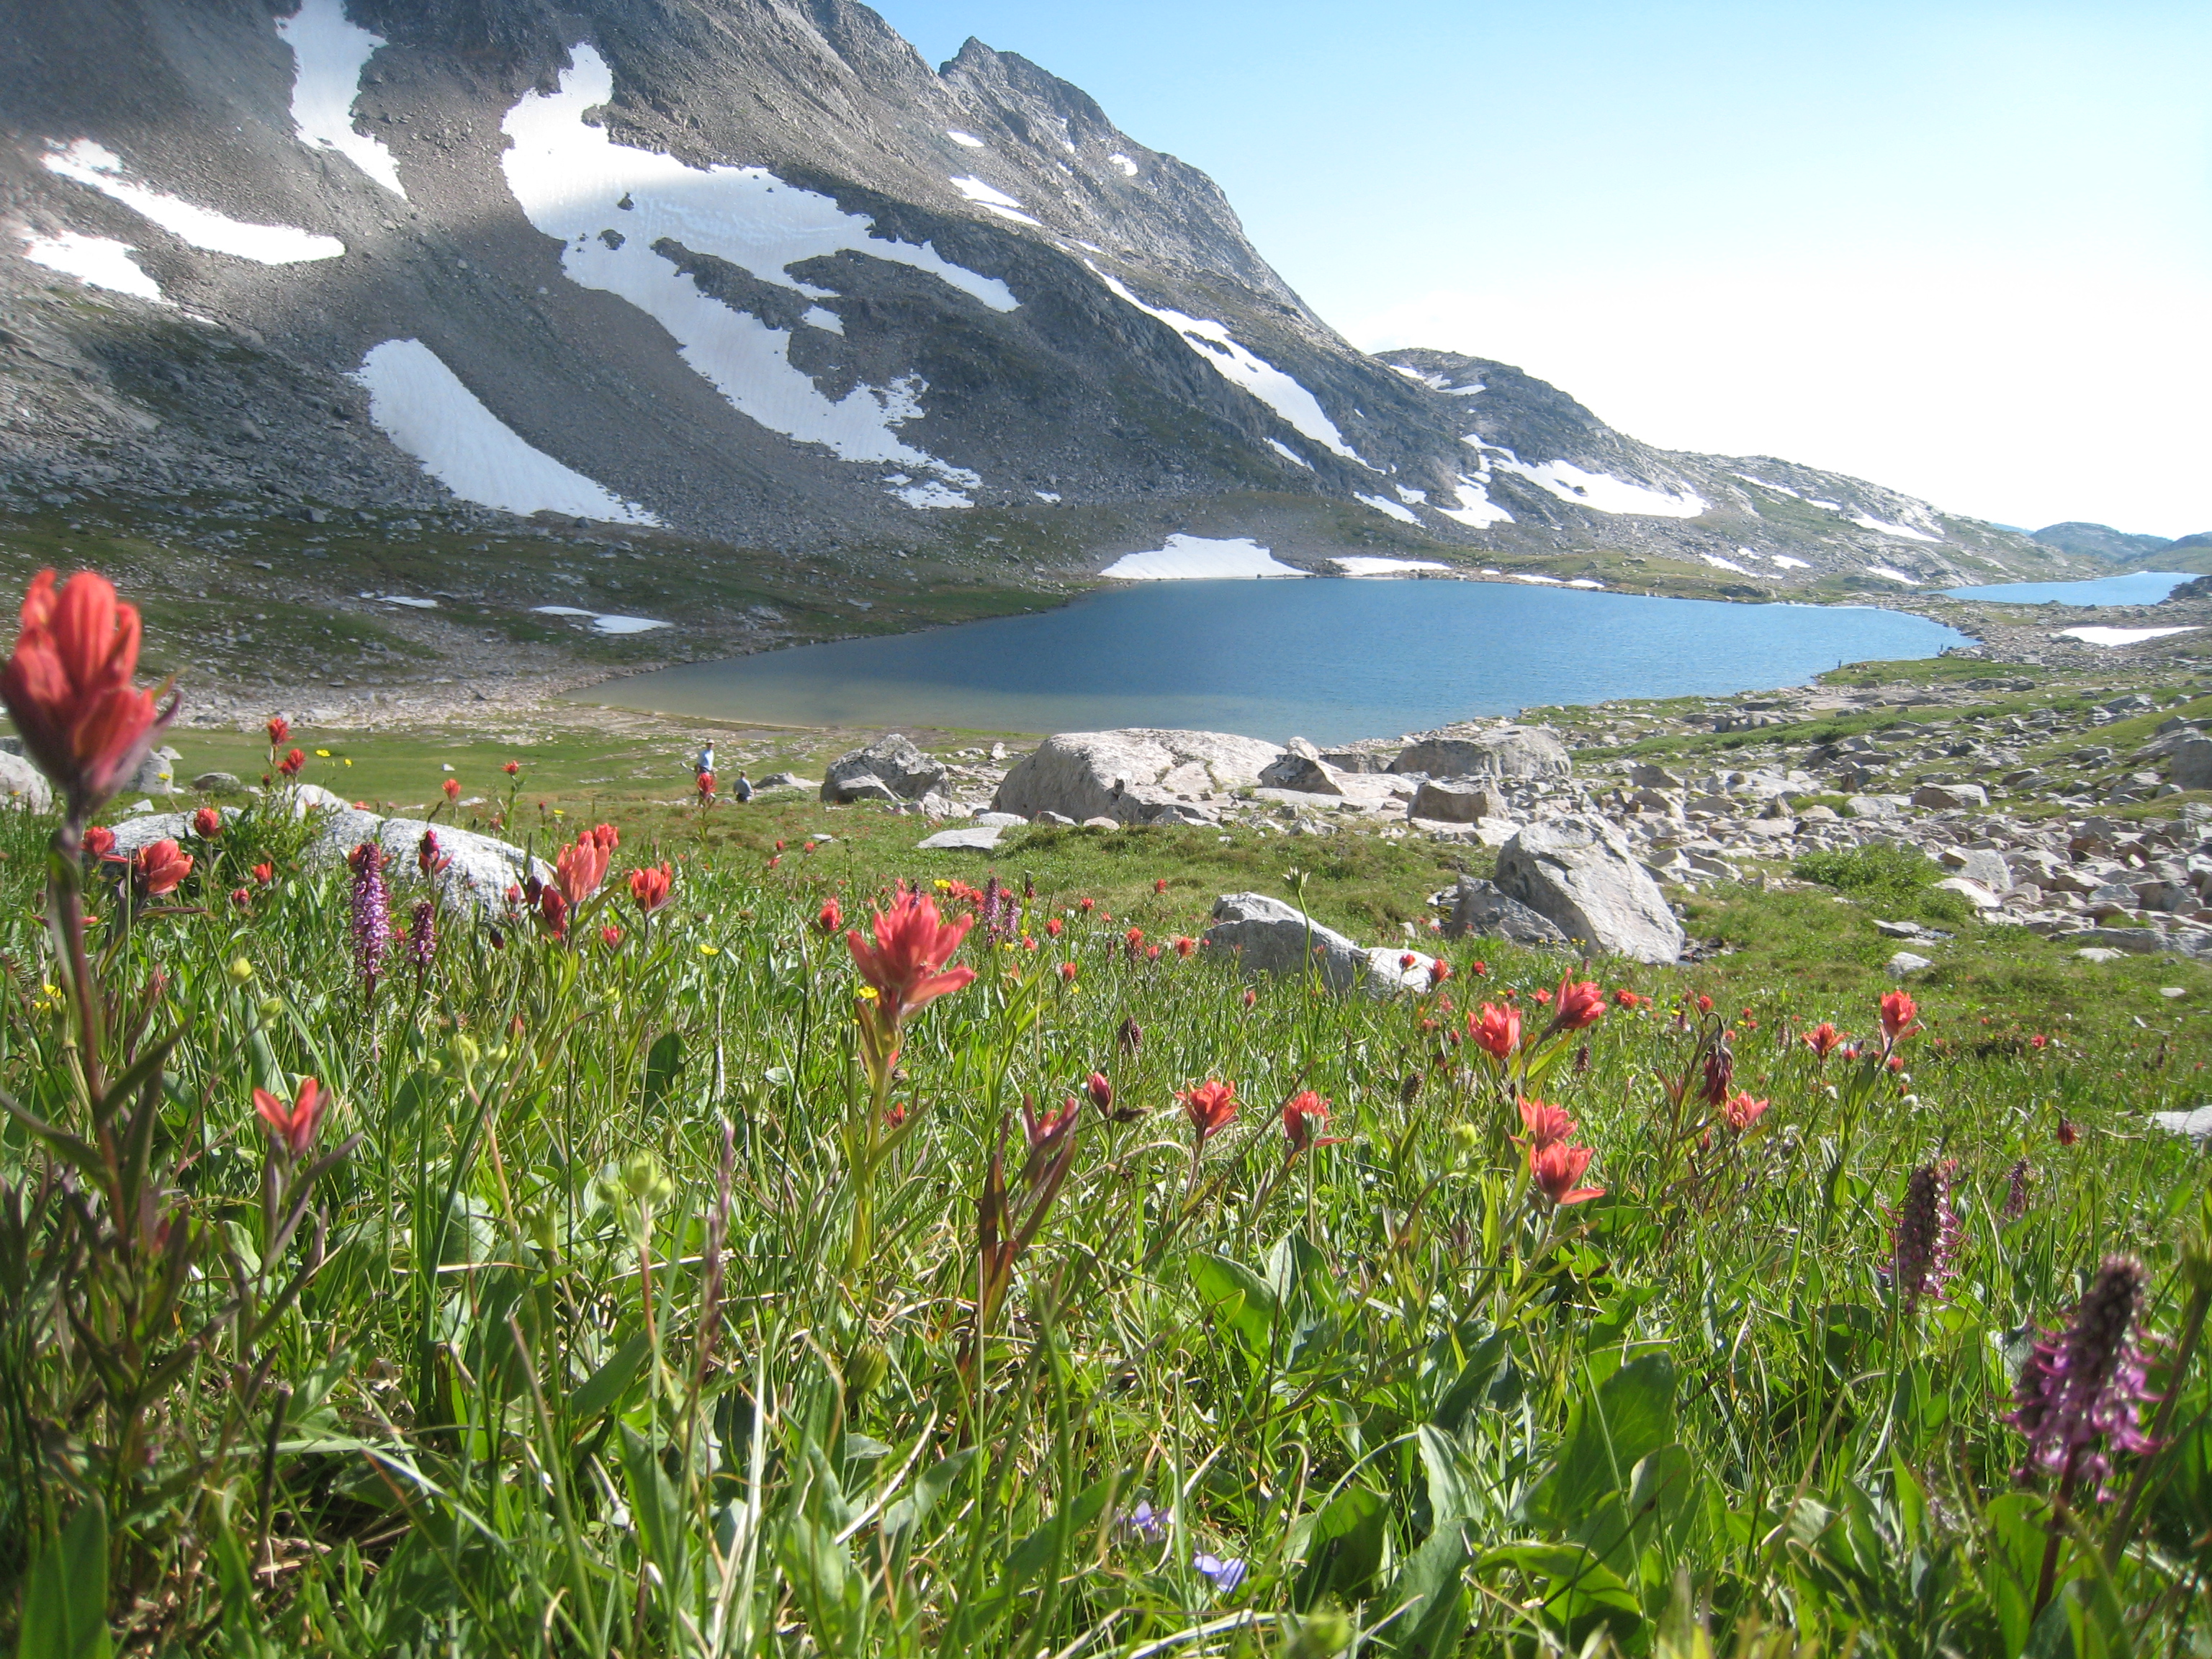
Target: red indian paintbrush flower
1898,1010
512,768
1211,1106
1496,1030
68,688
207,823
1555,1169
100,841
581,869
650,887
1824,1040
265,873
1578,1004
1302,1116
452,788
291,764
907,964
294,1125
279,729
161,866
1184,944
1741,1111
605,836
1547,1125
1439,971
831,916
1100,1088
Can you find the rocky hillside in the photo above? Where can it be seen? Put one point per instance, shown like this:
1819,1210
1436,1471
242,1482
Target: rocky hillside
751,273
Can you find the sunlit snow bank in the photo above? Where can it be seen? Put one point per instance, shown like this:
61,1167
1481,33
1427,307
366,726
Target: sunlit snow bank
1720,563
1360,564
604,625
610,205
1600,491
328,55
1299,407
1200,558
1387,508
88,163
1888,575
993,200
407,599
1475,509
965,140
1784,562
100,260
421,406
1289,453
1884,527
2118,635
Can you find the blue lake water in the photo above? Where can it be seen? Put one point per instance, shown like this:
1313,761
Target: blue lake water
2137,587
1329,659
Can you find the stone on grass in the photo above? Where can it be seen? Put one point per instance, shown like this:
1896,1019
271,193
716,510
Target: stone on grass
1445,801
1951,796
1870,806
980,839
2196,1123
219,783
1137,775
1577,872
1980,864
2192,764
785,781
1300,767
22,784
1972,891
2099,953
1506,751
1002,820
1264,935
1480,909
1906,962
891,763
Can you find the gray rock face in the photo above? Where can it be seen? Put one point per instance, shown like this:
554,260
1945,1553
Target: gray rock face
1359,761
1942,796
1904,962
1510,751
219,783
980,838
1300,767
1646,776
1448,802
1480,910
481,870
1970,891
22,784
156,775
1982,865
1577,872
1267,936
2192,764
1137,775
892,762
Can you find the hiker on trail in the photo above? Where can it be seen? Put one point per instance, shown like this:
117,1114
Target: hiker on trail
706,760
742,789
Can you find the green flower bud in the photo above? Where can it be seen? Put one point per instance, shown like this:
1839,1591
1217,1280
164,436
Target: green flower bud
241,970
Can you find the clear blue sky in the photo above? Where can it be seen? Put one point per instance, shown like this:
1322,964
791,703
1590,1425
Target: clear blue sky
1963,250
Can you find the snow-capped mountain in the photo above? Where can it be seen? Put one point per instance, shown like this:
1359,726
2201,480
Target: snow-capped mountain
751,270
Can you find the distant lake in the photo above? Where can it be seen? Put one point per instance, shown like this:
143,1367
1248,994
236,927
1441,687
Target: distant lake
1328,659
2137,587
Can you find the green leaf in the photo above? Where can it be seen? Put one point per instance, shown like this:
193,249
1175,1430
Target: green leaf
1579,1591
1432,1583
65,1601
663,1062
606,1386
1343,1548
658,1510
1629,1416
902,1515
1451,1495
1038,1551
1238,1297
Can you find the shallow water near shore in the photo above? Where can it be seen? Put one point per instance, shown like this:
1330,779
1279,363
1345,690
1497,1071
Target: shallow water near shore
1329,659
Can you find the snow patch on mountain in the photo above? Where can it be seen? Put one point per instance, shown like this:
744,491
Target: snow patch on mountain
571,180
965,140
1720,563
1475,509
992,199
421,406
1602,492
1784,562
1888,575
1300,410
1200,558
100,260
328,55
1389,508
1129,168
2118,635
92,164
1361,564
1289,453
1867,521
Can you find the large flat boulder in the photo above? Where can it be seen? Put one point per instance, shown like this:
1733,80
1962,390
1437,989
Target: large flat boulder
1443,801
1481,911
2192,763
1577,872
1265,935
1136,776
1505,751
22,784
1300,767
891,764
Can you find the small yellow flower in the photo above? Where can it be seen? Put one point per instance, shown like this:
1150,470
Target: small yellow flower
349,760
323,754
710,949
867,993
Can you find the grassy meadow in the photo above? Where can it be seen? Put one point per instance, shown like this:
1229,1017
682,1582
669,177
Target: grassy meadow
612,1302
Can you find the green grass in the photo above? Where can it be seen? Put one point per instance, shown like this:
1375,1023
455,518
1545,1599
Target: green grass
579,1362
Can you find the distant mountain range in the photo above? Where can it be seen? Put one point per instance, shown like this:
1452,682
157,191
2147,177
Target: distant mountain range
2101,541
753,271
